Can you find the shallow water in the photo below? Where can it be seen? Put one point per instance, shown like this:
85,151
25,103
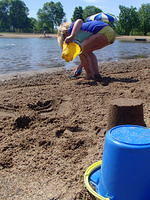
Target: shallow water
36,54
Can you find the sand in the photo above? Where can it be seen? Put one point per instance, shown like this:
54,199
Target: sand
33,35
26,35
52,128
134,38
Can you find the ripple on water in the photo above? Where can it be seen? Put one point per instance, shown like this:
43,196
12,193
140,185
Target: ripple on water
27,54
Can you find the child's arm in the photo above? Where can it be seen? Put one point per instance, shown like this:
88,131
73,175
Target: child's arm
76,27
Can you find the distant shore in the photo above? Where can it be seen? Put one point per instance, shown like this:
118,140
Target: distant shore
34,35
26,35
133,38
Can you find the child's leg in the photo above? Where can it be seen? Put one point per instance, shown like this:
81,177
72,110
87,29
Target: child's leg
94,63
78,71
79,67
96,75
88,59
94,42
86,62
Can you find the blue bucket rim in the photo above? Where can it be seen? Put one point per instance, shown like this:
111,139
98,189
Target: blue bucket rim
126,125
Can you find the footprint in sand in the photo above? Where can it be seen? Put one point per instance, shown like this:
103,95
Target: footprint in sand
45,106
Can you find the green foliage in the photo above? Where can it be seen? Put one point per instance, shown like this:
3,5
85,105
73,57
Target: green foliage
90,10
77,14
144,16
18,13
50,16
13,16
4,15
128,20
136,31
32,25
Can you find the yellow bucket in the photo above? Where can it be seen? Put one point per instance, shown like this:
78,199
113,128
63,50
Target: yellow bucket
87,174
70,51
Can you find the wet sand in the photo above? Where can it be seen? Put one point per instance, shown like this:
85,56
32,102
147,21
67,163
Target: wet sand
52,128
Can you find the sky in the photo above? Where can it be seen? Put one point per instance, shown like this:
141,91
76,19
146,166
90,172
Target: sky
108,6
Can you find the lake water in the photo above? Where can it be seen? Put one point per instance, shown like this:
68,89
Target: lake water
36,54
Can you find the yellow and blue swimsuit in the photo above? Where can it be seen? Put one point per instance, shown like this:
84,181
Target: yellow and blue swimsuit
93,27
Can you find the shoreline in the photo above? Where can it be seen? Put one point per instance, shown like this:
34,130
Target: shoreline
102,66
26,35
5,77
133,38
33,35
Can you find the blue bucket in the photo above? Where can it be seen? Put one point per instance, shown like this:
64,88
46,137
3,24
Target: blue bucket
125,170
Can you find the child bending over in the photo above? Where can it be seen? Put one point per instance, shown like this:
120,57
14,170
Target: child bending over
91,36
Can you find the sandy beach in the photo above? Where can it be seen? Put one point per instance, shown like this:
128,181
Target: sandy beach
33,35
52,128
26,35
133,38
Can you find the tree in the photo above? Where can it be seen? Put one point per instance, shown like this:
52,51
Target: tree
32,25
18,15
90,10
128,19
50,16
144,16
13,15
4,15
77,14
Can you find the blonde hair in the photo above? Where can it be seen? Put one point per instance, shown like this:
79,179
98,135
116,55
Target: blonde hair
62,32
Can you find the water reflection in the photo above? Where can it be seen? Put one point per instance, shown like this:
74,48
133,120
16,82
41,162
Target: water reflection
21,55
